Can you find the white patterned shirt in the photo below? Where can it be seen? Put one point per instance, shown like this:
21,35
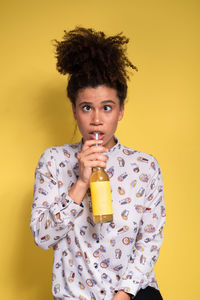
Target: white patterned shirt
93,261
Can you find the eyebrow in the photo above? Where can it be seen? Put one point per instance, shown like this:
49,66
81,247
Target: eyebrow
90,103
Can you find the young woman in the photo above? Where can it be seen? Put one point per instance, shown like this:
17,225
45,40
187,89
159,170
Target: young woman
110,260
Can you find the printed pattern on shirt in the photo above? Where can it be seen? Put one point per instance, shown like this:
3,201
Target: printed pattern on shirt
93,261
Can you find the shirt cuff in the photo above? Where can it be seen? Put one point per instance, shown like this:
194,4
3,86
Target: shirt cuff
129,286
67,208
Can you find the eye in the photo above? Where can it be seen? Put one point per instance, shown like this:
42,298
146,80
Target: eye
86,108
107,107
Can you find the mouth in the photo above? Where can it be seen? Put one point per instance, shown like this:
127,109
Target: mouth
93,135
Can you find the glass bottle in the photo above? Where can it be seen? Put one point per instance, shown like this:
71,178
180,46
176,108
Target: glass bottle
101,195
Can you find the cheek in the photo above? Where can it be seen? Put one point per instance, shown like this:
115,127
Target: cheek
82,121
80,117
116,118
112,123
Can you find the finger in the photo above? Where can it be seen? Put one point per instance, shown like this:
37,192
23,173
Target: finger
90,143
94,156
94,149
83,160
94,163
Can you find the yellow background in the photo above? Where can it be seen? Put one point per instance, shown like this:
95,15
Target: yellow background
161,118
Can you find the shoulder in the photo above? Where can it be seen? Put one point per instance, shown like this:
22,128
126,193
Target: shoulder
138,159
59,153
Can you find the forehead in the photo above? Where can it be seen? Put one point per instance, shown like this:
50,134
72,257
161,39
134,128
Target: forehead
96,95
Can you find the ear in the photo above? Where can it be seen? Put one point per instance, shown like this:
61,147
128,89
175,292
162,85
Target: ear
74,111
121,112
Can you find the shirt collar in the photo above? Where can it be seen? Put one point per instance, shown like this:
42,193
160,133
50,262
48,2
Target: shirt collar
116,146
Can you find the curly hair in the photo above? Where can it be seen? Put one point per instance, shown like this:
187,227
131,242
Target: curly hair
91,59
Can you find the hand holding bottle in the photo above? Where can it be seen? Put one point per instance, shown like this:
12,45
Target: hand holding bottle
91,156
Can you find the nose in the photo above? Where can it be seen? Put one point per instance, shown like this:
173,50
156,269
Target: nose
96,118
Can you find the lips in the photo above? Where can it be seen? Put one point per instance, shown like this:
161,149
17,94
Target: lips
93,136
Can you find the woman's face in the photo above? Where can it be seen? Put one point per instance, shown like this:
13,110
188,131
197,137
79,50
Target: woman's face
98,110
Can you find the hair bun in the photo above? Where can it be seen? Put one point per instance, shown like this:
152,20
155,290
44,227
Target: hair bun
86,51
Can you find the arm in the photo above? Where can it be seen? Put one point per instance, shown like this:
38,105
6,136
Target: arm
149,237
52,215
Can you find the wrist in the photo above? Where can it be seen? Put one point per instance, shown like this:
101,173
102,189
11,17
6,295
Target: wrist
78,191
82,185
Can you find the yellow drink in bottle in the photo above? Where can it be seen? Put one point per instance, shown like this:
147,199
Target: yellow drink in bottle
101,195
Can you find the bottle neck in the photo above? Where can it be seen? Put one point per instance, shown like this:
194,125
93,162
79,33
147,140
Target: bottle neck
97,168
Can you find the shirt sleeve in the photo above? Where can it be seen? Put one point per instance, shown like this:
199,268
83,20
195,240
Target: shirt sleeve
47,229
149,237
